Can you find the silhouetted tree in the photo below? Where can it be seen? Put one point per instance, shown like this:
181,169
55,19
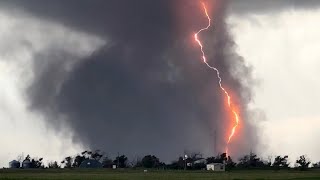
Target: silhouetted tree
280,162
137,162
78,160
67,162
37,163
122,160
229,163
218,159
303,163
316,165
96,155
211,160
251,161
28,158
222,158
178,164
53,165
107,162
150,161
195,156
34,162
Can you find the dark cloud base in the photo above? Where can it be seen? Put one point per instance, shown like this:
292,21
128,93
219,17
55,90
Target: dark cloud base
147,91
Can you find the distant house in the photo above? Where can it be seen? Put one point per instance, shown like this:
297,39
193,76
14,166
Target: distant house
14,164
90,163
26,164
216,167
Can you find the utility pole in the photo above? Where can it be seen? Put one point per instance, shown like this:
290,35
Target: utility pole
215,142
185,160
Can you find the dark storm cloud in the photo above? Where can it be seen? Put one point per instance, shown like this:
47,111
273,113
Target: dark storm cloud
147,90
270,6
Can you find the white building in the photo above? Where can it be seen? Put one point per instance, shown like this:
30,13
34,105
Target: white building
216,167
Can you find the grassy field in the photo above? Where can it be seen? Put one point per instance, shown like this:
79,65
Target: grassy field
155,175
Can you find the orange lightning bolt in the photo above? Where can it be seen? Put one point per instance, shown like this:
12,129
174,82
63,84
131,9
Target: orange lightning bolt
230,104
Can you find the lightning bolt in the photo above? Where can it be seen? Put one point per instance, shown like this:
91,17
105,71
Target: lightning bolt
230,104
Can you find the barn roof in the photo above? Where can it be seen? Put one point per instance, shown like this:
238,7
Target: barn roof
90,163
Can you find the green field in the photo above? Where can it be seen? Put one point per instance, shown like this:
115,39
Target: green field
154,175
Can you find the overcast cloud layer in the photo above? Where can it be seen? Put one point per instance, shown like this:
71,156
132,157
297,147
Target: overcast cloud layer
286,61
245,7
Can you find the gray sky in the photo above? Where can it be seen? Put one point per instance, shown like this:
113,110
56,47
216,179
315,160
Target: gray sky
278,39
246,7
282,48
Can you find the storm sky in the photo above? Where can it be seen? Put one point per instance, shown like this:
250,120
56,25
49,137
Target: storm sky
124,76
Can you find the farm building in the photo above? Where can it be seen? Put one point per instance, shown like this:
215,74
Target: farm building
90,163
216,167
14,164
26,164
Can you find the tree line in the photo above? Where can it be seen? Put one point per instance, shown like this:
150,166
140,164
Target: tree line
194,161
